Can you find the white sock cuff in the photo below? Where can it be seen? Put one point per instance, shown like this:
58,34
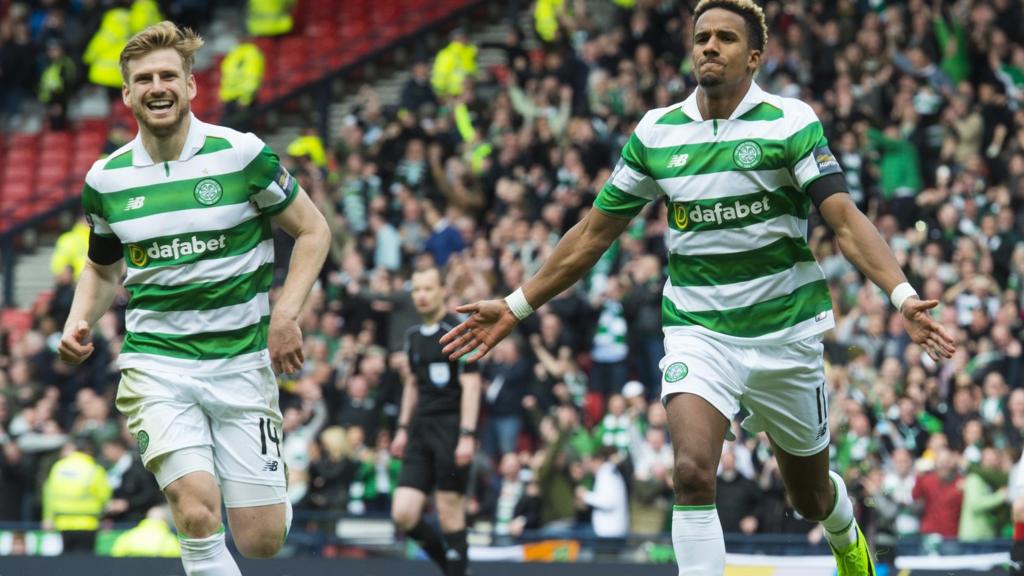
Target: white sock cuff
202,548
696,522
841,516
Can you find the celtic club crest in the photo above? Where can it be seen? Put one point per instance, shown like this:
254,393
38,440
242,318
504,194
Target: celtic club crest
208,192
747,154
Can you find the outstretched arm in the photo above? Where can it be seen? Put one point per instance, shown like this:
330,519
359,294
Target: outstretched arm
864,248
491,320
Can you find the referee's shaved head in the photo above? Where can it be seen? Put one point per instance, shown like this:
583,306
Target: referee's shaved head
432,271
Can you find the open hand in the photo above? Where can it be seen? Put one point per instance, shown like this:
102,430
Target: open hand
489,322
925,331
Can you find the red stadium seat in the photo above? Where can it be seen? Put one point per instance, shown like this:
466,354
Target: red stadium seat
15,322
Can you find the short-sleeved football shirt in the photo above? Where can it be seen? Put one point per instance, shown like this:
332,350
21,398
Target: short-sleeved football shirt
736,191
196,237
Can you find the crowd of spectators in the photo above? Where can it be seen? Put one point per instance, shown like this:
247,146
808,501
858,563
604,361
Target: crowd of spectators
921,105
47,47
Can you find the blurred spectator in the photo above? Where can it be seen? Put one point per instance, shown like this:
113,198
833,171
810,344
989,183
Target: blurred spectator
608,499
17,55
241,73
104,49
301,424
453,65
514,505
642,311
737,497
651,495
134,489
506,378
984,492
331,470
444,239
151,538
941,496
610,349
555,474
417,92
376,479
269,17
74,496
55,85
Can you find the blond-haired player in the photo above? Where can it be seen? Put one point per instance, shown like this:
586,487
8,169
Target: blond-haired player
188,207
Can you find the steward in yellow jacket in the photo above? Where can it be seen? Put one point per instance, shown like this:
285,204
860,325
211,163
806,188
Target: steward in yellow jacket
453,64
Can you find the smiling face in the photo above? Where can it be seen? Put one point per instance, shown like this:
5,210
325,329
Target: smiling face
159,92
721,51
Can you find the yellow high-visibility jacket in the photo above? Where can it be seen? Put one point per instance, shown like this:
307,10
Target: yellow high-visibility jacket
453,64
104,49
72,250
241,73
75,493
144,13
269,17
151,538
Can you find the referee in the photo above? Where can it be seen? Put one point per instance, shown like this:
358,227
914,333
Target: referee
436,431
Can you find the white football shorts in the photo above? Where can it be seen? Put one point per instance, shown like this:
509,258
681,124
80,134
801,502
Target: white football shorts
228,425
781,386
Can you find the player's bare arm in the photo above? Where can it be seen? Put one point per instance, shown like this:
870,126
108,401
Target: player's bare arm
96,289
576,253
469,410
303,222
864,248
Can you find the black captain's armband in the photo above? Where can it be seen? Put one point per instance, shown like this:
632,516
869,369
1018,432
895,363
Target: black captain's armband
826,186
104,250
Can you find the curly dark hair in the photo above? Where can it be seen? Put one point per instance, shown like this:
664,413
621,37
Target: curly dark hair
757,31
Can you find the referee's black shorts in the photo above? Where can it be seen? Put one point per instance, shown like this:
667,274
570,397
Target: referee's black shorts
429,460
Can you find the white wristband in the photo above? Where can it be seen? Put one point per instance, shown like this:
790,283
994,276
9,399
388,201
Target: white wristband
900,294
518,305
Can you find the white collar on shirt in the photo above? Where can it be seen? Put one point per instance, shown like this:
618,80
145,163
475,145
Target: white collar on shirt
754,96
193,143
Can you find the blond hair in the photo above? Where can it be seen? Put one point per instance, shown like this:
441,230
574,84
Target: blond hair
159,36
757,31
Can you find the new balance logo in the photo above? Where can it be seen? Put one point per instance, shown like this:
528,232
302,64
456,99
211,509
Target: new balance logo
135,203
678,160
270,466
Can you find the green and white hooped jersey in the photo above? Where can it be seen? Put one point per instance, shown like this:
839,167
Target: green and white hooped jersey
739,265
198,247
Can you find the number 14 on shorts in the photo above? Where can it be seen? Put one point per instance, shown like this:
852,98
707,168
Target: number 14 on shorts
268,431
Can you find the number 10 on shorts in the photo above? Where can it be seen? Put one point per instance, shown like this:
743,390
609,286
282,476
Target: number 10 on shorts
267,430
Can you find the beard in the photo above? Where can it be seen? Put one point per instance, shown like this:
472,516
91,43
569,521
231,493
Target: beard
710,80
163,126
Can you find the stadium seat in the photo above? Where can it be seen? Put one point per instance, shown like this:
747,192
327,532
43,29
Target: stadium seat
15,322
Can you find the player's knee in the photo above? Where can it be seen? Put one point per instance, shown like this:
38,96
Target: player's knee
450,518
197,520
404,518
259,544
694,478
813,504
